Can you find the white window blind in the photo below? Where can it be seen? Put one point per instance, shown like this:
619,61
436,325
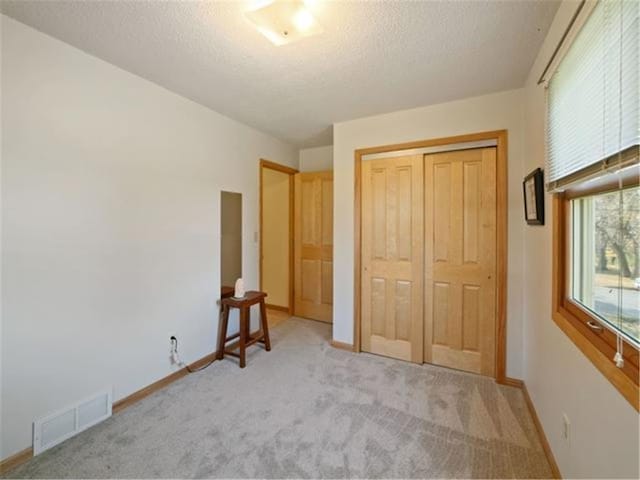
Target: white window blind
593,97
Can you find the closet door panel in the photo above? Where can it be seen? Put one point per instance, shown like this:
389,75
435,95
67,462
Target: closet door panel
460,260
392,257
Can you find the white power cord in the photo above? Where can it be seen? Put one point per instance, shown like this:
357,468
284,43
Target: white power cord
175,357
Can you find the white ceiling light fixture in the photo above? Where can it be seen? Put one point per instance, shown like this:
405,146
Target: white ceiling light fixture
285,21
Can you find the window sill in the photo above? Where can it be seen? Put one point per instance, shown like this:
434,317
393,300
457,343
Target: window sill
605,365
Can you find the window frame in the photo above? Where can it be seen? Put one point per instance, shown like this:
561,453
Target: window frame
598,345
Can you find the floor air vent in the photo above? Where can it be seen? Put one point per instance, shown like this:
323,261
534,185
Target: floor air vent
57,427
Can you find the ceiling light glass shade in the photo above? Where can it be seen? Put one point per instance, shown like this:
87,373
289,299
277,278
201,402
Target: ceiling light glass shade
284,21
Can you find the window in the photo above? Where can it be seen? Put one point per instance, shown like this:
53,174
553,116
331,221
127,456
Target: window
593,171
605,264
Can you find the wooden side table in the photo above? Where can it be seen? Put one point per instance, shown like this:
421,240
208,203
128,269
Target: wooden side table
245,338
226,291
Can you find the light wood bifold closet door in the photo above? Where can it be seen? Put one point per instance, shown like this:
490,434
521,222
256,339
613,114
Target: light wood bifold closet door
313,246
392,257
460,260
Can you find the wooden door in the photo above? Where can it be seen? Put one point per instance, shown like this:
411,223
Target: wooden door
460,260
392,257
313,246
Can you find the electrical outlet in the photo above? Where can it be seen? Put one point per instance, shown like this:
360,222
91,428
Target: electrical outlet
566,427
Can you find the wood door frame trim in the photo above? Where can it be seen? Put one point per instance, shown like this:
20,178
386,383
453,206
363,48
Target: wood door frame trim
291,172
501,137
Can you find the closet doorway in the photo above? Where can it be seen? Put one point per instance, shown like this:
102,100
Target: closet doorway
431,252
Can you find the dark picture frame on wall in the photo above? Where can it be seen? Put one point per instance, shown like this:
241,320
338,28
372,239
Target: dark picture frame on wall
533,190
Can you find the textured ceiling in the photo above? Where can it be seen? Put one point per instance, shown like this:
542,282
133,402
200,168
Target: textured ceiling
373,57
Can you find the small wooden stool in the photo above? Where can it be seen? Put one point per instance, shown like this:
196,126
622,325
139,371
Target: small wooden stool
245,337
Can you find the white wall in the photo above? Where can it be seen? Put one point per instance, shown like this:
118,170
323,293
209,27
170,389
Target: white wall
491,112
317,159
111,225
560,379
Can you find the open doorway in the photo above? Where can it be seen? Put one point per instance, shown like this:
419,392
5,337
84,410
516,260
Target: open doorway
276,238
230,240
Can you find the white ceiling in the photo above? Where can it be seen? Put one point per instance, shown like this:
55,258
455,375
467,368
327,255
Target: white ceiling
373,57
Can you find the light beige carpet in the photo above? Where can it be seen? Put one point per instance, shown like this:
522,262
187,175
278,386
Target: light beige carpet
307,410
